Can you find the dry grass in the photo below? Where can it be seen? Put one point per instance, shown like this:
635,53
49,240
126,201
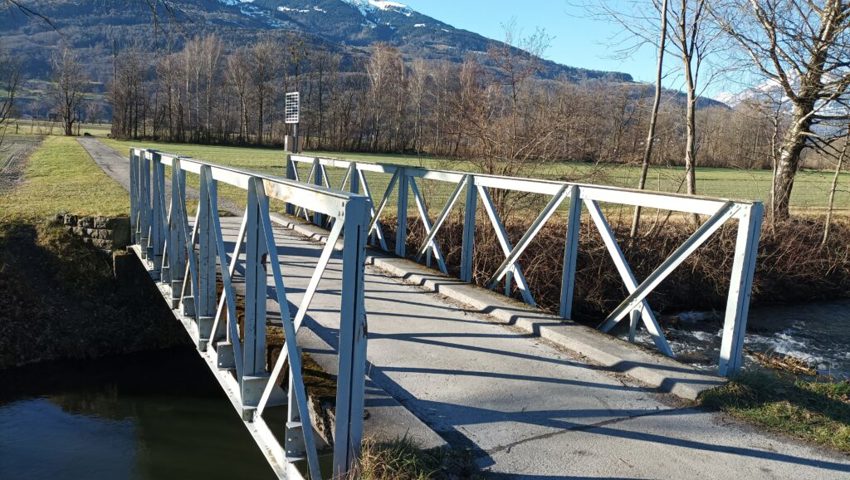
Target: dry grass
815,410
701,283
403,459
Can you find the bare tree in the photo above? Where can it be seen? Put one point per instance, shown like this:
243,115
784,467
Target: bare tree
691,38
653,116
239,70
387,86
68,82
419,76
803,47
10,78
830,206
210,50
264,60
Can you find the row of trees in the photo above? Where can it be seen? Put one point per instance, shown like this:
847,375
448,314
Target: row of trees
799,49
505,117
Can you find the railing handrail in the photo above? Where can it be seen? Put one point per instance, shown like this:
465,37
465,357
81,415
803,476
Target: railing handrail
635,307
239,178
644,198
184,256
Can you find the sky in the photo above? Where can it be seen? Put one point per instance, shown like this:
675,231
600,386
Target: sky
579,38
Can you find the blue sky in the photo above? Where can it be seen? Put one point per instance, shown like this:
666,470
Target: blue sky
579,40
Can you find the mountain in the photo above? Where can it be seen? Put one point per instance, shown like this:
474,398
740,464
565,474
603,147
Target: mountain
95,28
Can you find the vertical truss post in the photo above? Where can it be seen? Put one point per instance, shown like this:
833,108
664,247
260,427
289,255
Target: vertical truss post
134,194
177,232
157,217
145,204
254,332
318,180
206,306
468,242
354,179
570,253
351,381
401,213
740,289
634,319
291,175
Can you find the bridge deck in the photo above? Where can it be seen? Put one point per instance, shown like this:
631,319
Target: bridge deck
525,408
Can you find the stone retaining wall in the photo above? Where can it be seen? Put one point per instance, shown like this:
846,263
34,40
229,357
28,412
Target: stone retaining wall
107,233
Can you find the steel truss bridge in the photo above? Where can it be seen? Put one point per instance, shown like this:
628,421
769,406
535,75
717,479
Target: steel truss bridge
202,266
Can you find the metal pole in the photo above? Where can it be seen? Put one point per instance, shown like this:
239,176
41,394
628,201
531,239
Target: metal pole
571,253
351,381
318,180
145,205
468,241
290,174
134,195
255,290
740,289
206,306
157,220
177,234
401,213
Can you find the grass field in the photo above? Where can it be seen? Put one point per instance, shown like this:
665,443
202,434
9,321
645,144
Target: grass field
811,410
809,197
44,127
61,177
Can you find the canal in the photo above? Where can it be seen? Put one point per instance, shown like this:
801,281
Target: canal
154,415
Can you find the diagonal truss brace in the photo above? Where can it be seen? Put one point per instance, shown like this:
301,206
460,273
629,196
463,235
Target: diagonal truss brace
628,277
703,233
295,370
426,224
226,270
378,229
441,219
532,232
505,243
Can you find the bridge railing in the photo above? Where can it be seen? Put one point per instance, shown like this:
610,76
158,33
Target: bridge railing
185,256
476,188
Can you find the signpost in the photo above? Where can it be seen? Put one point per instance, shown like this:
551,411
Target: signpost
292,116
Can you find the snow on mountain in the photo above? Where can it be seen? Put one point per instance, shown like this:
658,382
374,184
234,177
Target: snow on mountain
366,6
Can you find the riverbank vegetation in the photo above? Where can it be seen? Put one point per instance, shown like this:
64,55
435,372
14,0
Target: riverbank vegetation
403,459
782,276
811,409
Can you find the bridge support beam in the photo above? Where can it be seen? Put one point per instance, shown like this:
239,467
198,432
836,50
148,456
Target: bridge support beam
468,241
177,226
740,289
254,358
570,253
401,213
206,307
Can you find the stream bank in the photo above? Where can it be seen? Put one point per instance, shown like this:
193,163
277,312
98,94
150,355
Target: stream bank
62,300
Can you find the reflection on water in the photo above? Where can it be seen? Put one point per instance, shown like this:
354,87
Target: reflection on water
817,334
148,416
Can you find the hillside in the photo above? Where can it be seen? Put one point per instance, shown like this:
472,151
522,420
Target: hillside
96,28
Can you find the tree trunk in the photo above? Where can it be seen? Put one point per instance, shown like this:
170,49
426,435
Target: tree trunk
653,118
789,161
830,207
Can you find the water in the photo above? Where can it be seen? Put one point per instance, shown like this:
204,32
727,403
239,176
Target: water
816,334
148,416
